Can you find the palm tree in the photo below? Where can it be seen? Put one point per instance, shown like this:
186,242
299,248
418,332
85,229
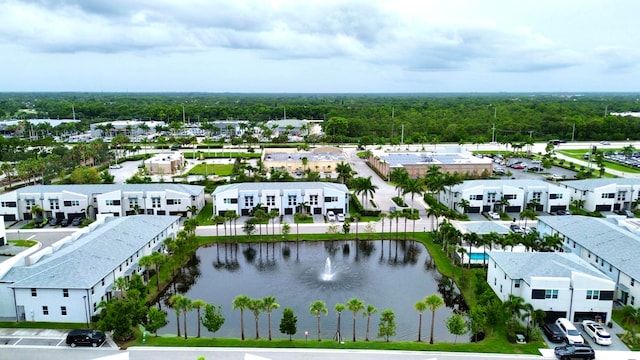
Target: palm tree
270,304
464,204
515,305
146,262
344,171
241,302
256,306
383,215
413,187
433,302
420,307
176,301
121,284
192,209
366,188
368,311
528,214
318,308
355,305
198,304
273,214
450,180
399,175
434,214
501,204
339,309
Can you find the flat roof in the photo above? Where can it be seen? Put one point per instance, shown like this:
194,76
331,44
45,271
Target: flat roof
592,184
86,261
90,189
281,186
321,156
427,158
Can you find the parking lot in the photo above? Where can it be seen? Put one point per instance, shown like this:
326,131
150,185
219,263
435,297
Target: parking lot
616,343
41,337
523,173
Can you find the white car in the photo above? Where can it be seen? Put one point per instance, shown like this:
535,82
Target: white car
597,332
341,217
493,215
331,216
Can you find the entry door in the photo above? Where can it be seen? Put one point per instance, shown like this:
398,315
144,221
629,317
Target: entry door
21,314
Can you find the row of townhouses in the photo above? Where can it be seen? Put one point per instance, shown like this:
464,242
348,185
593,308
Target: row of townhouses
286,197
605,194
66,281
70,201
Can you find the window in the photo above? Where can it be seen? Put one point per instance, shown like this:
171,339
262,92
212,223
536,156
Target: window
54,204
475,197
292,200
330,199
228,201
63,310
551,294
589,256
510,196
271,200
622,195
174,201
516,283
155,202
491,197
133,202
102,281
112,202
313,199
495,281
593,294
500,287
29,203
555,196
45,310
248,201
34,292
536,196
70,202
65,292
633,282
608,195
633,300
8,204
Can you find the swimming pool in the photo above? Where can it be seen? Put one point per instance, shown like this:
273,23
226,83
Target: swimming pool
478,256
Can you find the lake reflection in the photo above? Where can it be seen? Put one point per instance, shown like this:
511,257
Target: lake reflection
386,274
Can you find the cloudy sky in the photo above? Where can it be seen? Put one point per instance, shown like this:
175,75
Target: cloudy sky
320,46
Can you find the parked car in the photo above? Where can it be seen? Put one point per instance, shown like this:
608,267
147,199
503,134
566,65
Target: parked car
519,166
555,177
597,332
563,212
626,213
493,215
570,332
64,222
53,222
76,221
516,229
535,169
331,216
576,351
341,217
87,337
498,171
553,333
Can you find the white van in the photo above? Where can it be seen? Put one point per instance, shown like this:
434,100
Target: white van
572,334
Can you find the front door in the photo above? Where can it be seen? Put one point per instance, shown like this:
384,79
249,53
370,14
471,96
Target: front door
20,312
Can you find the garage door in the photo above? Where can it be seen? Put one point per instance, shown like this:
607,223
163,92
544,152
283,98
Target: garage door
603,207
473,210
557,207
9,217
512,209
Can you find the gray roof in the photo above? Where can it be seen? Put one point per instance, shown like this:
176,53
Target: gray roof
603,238
89,189
483,227
281,186
86,261
325,156
399,159
592,184
525,265
519,183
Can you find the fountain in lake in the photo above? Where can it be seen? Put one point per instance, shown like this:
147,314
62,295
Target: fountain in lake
328,273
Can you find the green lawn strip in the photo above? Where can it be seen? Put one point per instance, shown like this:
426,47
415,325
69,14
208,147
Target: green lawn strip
23,243
221,155
41,325
212,169
578,154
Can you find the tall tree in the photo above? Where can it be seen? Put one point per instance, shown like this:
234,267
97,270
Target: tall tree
256,306
212,319
433,302
387,325
198,304
288,324
318,308
420,307
368,312
456,326
270,304
339,309
241,302
355,305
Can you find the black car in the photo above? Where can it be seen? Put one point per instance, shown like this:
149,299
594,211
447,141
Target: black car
553,333
53,222
575,351
64,222
76,221
87,337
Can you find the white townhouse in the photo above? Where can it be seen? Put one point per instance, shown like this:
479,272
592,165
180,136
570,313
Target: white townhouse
561,284
604,194
484,194
66,281
609,247
284,197
70,201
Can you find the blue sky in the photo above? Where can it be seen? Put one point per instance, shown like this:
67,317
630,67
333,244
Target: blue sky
319,46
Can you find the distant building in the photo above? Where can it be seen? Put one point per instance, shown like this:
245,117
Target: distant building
71,201
563,285
604,194
417,163
322,159
165,164
65,282
126,127
285,197
483,195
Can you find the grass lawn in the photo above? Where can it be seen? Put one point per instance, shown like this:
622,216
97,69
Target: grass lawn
24,243
578,154
221,155
212,169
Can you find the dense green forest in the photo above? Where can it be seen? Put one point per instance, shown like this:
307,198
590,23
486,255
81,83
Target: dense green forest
369,118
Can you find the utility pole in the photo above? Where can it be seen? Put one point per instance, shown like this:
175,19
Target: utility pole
573,132
493,133
402,136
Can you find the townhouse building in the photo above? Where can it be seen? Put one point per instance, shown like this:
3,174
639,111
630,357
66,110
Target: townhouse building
285,197
561,284
66,281
605,194
610,245
70,201
485,195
